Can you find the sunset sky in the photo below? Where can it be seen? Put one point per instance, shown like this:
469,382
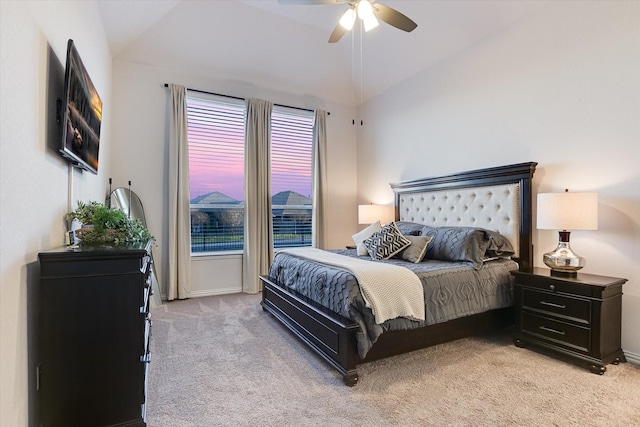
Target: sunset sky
221,129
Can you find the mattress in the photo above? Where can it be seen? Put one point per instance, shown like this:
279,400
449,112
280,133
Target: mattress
451,289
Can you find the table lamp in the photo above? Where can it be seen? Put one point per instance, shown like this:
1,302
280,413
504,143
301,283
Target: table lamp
368,214
564,212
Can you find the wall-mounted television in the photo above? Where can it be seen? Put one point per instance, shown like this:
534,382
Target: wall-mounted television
81,114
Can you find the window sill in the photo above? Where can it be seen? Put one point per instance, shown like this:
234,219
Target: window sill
202,255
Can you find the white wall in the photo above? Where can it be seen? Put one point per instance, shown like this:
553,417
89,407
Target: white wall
561,88
140,147
34,180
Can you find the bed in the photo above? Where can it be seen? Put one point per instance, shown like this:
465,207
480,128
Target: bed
496,199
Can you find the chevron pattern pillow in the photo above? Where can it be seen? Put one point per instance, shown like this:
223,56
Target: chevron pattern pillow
386,242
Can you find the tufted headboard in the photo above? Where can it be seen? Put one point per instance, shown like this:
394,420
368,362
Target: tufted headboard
496,198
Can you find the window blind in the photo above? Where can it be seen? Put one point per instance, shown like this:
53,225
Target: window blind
291,148
216,147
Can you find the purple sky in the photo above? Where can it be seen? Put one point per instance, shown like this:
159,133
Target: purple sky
223,170
230,182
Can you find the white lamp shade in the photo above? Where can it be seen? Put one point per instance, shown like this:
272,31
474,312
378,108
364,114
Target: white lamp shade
365,12
368,214
348,19
370,23
568,211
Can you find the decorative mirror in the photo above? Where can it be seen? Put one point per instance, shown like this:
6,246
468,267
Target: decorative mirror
129,202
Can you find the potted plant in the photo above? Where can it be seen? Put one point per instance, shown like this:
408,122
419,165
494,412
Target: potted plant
102,225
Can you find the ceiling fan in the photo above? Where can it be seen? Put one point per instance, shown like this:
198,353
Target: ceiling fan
369,11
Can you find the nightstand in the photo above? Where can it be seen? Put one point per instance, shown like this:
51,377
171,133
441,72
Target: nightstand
575,316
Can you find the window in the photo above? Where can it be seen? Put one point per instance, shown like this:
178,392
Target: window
216,173
216,168
291,148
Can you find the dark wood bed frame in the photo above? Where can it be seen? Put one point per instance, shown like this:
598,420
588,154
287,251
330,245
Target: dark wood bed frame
333,337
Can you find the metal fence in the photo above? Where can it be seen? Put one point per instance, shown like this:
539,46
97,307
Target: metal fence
217,229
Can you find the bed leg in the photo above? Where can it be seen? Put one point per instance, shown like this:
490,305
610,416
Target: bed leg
351,378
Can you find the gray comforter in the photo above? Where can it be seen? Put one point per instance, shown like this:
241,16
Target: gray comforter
452,290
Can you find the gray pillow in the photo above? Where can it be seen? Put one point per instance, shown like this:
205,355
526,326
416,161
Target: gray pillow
386,242
415,252
466,244
409,228
499,246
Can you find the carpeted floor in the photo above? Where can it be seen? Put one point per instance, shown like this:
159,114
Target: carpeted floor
223,361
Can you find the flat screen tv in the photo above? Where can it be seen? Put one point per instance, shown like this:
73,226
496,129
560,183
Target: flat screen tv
81,114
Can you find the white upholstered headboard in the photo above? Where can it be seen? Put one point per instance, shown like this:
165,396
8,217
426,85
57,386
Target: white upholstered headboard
497,199
494,207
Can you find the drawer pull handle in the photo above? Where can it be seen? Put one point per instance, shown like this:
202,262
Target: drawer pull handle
555,331
550,304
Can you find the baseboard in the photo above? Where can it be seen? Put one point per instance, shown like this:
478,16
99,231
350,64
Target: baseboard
632,357
210,292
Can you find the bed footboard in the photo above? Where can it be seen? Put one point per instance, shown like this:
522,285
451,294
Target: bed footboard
333,337
328,334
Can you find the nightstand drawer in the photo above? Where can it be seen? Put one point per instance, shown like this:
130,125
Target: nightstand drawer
553,285
558,332
575,309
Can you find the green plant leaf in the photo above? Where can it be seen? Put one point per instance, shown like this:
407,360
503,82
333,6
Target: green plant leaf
105,226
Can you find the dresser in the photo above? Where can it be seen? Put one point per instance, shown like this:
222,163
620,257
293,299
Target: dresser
94,329
577,317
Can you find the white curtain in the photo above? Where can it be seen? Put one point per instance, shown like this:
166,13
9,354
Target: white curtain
258,223
319,180
179,238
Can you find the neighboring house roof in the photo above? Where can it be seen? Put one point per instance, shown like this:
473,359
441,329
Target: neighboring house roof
290,198
214,198
283,198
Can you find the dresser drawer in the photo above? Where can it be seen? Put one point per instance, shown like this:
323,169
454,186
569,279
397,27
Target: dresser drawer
557,332
570,308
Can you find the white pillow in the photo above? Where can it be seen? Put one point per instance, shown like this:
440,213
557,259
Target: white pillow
363,235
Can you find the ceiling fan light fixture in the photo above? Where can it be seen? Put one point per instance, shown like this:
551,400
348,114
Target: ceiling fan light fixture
348,19
365,12
370,13
370,23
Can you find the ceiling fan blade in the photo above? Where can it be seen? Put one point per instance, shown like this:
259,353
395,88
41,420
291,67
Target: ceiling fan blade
311,2
393,17
337,33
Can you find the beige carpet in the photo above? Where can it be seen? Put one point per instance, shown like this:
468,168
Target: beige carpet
222,361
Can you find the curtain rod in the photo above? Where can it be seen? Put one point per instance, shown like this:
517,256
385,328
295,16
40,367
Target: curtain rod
243,99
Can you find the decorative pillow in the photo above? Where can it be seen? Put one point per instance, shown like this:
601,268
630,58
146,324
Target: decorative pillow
499,246
415,252
361,236
409,228
386,242
467,244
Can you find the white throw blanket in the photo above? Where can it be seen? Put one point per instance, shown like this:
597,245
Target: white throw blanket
389,290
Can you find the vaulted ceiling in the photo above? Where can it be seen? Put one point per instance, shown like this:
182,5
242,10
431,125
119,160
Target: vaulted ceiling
284,47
